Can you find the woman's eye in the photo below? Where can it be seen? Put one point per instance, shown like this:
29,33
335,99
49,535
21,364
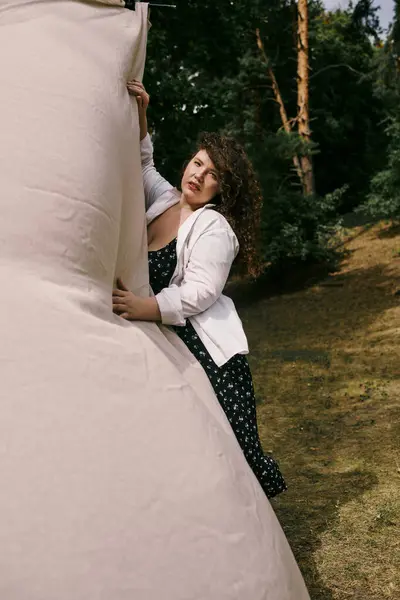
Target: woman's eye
196,162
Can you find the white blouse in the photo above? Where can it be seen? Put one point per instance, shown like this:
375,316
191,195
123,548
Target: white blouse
206,249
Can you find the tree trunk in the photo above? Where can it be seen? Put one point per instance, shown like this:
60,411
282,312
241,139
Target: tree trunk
279,100
303,117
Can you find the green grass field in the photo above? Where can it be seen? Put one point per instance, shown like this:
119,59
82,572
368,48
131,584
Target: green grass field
326,366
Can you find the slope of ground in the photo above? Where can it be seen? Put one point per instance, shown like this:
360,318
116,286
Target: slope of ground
326,365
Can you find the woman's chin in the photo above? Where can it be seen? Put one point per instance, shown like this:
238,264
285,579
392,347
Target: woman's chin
189,192
190,196
193,199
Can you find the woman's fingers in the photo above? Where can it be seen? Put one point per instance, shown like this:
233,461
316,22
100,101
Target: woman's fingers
119,301
135,91
135,82
138,90
119,293
140,94
119,308
125,315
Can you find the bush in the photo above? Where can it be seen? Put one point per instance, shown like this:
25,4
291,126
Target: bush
384,198
295,228
298,228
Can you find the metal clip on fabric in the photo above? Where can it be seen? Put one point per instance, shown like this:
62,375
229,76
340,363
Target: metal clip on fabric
130,4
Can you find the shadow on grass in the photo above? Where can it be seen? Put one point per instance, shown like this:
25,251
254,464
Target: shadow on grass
305,522
245,293
391,232
318,430
300,276
307,350
334,309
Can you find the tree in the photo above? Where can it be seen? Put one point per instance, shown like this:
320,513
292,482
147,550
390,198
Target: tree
384,197
286,123
303,117
347,115
205,72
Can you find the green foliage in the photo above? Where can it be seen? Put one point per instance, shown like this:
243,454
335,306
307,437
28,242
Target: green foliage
295,228
384,199
298,227
205,72
346,114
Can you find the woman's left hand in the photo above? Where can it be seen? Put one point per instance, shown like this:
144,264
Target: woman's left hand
134,308
125,303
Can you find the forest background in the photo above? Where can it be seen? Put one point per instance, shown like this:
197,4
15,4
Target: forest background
312,93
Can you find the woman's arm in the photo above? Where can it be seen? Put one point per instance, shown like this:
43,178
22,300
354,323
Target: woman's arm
204,278
155,185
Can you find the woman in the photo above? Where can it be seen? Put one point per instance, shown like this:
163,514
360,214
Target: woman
191,250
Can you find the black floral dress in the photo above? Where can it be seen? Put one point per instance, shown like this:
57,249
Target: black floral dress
232,382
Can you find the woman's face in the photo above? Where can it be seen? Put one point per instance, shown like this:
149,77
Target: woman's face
200,181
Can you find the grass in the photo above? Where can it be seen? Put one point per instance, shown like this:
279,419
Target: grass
326,366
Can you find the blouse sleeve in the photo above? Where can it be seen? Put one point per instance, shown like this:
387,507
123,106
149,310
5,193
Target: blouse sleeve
154,184
204,279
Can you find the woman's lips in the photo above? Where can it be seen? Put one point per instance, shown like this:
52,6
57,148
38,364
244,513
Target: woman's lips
193,187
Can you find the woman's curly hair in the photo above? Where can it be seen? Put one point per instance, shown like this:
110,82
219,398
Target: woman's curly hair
240,199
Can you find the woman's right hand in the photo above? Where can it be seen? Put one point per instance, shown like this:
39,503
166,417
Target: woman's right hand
137,89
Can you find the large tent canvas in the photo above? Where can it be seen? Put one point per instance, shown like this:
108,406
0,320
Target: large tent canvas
120,476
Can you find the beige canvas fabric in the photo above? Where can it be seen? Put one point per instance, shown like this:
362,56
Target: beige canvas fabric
120,476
